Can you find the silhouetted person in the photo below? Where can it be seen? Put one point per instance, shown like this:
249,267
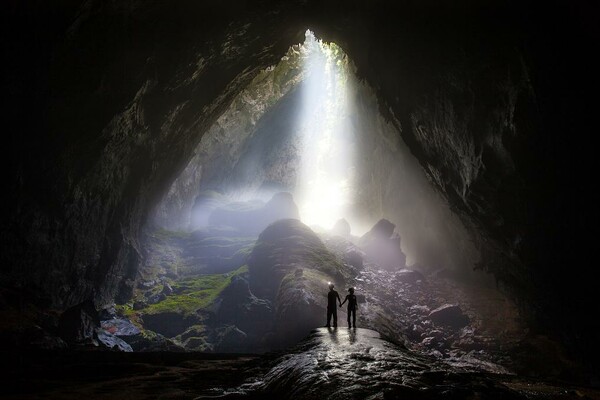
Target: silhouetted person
331,306
351,299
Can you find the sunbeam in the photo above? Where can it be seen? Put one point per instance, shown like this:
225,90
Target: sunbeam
324,188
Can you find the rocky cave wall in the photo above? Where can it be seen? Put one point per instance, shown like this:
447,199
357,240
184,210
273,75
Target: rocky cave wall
220,148
109,100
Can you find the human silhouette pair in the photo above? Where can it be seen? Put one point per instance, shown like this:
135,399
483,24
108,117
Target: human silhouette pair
332,296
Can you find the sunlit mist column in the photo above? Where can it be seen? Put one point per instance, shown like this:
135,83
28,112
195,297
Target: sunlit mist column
324,187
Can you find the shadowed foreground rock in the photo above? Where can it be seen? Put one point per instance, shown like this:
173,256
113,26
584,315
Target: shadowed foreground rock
329,364
358,363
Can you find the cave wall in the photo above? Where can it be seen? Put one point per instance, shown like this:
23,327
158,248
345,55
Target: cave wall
222,145
488,98
130,89
110,99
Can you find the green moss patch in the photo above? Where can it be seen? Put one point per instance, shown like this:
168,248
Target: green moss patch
194,293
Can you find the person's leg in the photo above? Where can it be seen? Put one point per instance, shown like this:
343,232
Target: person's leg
349,324
335,318
328,317
354,318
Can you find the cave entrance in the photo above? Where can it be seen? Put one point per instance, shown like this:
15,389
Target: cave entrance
291,130
228,259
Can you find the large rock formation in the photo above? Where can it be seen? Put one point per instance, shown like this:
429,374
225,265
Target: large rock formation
282,248
291,267
382,246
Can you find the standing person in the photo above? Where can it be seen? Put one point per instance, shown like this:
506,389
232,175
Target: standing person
331,308
351,299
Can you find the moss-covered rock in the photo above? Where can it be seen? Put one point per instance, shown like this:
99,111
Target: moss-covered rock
193,293
281,248
188,303
196,338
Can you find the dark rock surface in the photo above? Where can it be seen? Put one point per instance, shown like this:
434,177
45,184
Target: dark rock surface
237,305
78,324
153,342
112,342
169,323
357,363
450,315
110,375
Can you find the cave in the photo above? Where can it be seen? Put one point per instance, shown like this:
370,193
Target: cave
186,179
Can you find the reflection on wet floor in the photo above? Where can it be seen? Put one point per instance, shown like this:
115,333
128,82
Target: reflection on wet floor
358,363
344,335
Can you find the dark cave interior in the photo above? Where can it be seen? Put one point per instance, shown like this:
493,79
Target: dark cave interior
155,169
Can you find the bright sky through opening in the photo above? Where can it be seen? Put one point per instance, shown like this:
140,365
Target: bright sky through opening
325,181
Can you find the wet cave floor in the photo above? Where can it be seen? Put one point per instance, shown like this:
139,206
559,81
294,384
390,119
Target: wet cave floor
329,364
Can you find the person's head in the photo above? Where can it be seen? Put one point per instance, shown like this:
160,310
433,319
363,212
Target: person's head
331,286
351,290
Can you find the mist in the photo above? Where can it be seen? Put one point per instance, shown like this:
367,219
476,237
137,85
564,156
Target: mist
310,127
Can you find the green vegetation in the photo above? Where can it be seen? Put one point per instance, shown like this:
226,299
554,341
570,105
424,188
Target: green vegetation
164,234
195,338
193,293
128,312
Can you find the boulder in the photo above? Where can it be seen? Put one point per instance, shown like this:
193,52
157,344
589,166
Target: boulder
341,228
196,338
450,315
228,339
382,246
408,276
382,229
283,247
354,257
111,341
120,327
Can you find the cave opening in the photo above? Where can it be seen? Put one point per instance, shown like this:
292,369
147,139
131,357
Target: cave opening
183,181
303,150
